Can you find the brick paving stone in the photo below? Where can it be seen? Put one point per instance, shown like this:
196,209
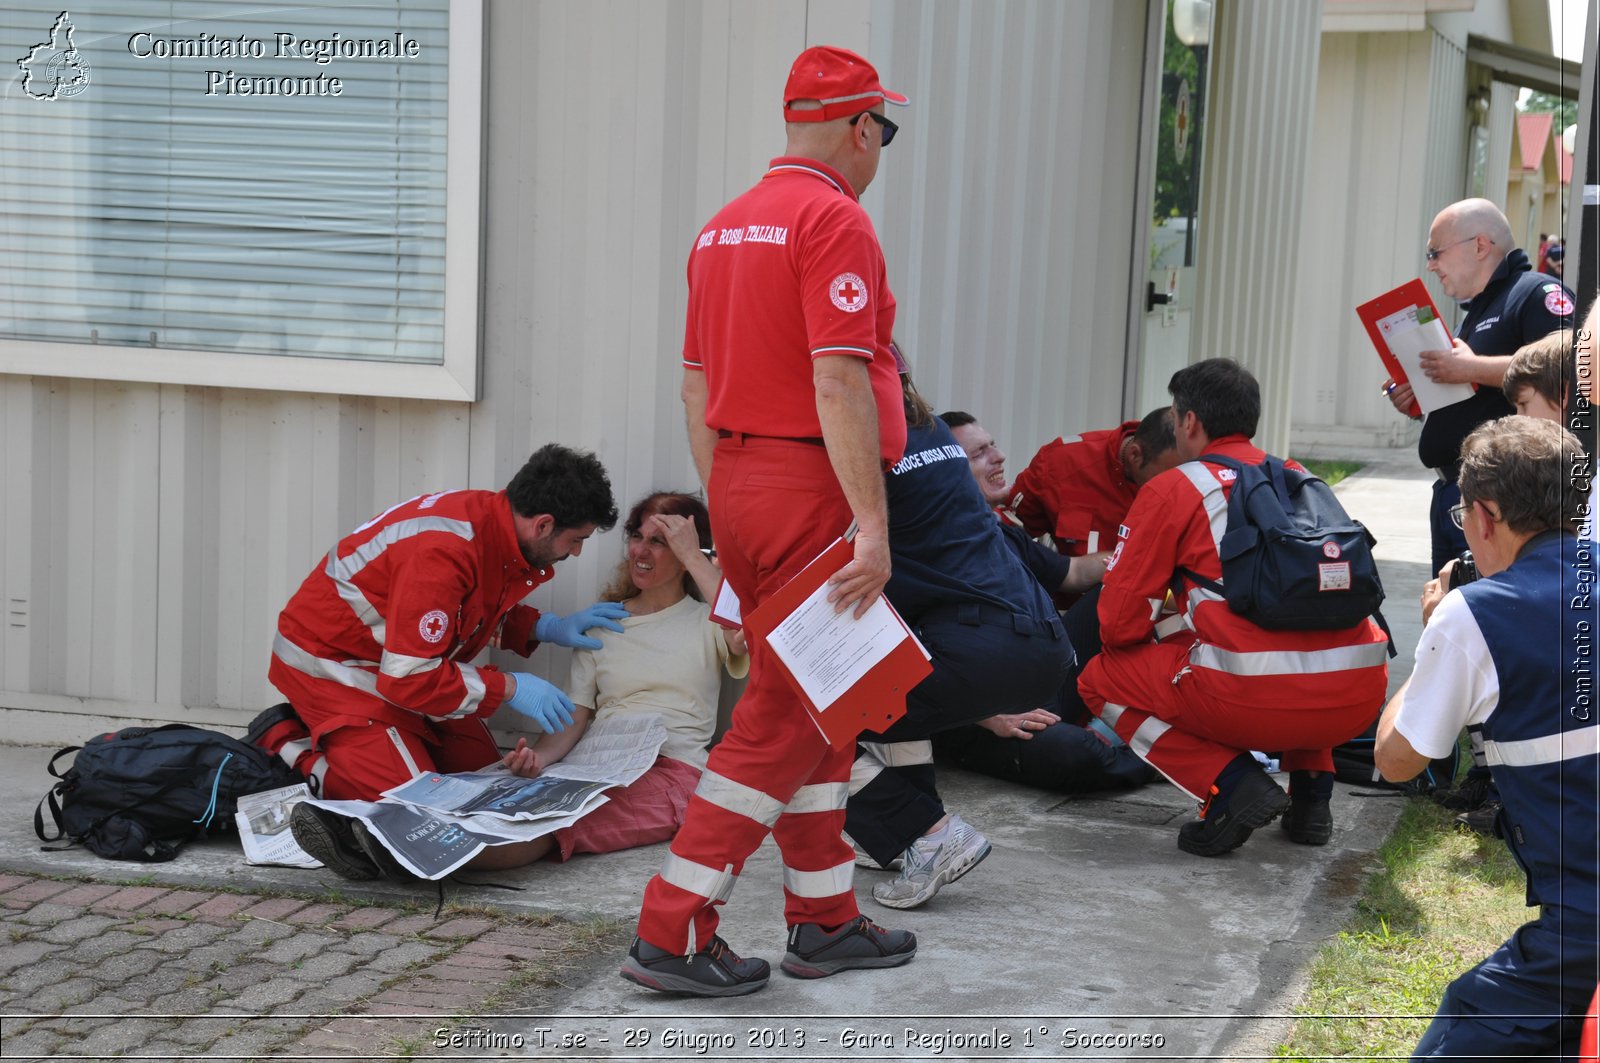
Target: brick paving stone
48,913
460,928
483,975
114,940
224,906
410,924
86,894
188,936
366,918
322,966
35,1042
275,908
437,996
175,903
130,898
29,956
465,958
262,997
162,980
257,932
368,945
316,914
189,1000
57,998
11,882
118,1037
403,956
506,950
153,928
37,890
357,985
69,931
297,947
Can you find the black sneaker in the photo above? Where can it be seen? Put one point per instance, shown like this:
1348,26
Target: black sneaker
1471,794
375,851
714,971
329,837
1482,819
1254,801
817,953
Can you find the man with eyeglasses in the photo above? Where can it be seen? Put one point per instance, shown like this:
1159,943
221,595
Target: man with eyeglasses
1472,252
1510,658
794,411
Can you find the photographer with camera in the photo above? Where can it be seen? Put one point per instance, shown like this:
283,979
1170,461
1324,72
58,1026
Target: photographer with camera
1509,656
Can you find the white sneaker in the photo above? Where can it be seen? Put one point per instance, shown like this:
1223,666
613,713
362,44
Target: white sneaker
931,865
864,859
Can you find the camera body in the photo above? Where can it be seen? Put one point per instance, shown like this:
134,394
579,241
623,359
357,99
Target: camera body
1464,572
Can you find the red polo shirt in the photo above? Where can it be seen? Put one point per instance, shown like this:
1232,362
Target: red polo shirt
788,272
1074,489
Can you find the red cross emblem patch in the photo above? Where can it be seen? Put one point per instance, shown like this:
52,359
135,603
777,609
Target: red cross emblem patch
433,625
848,292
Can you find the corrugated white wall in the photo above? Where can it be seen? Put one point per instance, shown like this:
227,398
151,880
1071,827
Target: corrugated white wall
150,533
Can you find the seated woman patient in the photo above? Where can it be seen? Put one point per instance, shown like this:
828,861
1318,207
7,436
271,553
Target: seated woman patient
668,661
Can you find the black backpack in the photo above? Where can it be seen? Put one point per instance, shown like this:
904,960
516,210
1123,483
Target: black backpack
140,793
1353,763
1292,559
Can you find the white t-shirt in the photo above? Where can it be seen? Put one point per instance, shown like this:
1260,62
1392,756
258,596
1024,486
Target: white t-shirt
1453,682
669,663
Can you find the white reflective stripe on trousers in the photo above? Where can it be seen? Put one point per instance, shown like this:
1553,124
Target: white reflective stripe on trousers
901,754
1288,662
698,879
829,882
818,797
738,798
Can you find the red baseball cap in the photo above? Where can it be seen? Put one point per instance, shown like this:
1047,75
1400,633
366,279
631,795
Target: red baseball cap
839,79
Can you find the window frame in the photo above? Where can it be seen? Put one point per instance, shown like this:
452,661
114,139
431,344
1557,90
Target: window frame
458,378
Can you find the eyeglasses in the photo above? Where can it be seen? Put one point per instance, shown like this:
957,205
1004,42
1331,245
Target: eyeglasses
1432,254
889,129
1457,512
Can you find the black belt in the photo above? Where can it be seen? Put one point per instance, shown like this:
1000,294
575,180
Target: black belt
740,437
982,614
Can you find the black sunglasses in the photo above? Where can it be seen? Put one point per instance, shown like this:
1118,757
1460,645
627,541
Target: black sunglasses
889,128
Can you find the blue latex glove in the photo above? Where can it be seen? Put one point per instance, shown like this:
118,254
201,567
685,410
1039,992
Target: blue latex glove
540,701
569,630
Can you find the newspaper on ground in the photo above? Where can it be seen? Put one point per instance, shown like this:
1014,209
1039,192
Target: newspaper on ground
263,821
435,823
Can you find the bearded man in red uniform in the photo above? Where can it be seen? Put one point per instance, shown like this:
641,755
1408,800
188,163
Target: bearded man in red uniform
794,411
1196,702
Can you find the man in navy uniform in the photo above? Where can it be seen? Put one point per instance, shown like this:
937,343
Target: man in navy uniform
1510,656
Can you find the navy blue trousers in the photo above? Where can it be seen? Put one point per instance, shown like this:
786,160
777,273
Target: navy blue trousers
985,662
1063,757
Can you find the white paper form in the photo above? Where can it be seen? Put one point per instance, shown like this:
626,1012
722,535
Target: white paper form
1408,333
828,652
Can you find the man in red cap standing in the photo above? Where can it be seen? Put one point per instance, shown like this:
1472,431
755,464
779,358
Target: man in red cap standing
794,412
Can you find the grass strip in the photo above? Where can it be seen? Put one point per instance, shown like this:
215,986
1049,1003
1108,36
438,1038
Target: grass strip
1329,472
1444,899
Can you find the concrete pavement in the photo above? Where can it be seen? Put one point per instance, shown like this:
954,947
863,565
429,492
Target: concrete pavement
1085,935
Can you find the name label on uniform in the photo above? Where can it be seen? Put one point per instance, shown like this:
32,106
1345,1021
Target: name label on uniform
928,457
750,234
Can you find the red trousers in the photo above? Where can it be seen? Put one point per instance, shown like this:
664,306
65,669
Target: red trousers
775,505
1189,736
358,761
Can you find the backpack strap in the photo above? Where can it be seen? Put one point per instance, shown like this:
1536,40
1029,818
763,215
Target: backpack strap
63,751
55,814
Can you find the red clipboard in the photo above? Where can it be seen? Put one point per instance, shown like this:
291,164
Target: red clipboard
1412,293
875,700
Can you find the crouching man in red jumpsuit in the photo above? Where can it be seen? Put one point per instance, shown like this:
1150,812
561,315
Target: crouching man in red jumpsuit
794,411
1196,702
372,650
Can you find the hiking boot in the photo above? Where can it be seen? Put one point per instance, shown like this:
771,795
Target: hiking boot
714,971
329,837
1228,818
1482,819
864,858
1309,820
817,953
1471,794
930,865
375,851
